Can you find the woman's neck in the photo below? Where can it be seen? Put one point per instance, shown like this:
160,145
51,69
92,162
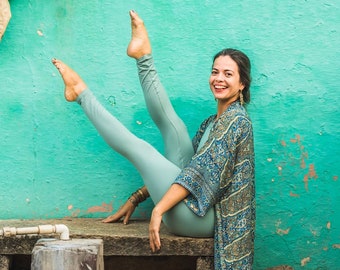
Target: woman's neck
223,106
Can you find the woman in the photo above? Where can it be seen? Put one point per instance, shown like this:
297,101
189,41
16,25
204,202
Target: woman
209,183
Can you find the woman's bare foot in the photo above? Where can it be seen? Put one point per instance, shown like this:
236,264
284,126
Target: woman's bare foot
74,85
140,43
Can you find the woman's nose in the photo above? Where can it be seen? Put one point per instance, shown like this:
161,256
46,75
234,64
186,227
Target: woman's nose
220,77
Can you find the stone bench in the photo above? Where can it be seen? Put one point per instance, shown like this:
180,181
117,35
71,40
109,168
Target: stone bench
124,245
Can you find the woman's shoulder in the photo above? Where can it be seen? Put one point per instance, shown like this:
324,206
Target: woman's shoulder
235,110
208,120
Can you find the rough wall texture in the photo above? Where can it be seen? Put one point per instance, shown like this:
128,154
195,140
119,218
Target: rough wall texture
53,163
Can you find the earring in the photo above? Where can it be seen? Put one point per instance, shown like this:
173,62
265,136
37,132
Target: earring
241,98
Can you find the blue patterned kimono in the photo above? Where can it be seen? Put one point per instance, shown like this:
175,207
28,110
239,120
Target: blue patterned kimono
221,175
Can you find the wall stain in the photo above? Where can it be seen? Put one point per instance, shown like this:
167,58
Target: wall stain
297,159
310,175
280,231
294,194
303,153
304,261
104,208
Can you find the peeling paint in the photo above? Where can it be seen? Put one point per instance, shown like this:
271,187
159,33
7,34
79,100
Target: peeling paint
279,230
337,246
305,180
302,163
304,261
311,174
314,232
295,161
75,213
104,208
282,232
303,153
293,194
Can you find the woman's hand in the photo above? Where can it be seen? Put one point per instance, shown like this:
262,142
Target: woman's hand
173,196
125,211
154,228
129,207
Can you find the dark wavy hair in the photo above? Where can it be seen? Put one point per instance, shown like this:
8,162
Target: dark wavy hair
244,67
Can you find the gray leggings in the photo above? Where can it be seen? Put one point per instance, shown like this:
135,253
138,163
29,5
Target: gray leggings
157,171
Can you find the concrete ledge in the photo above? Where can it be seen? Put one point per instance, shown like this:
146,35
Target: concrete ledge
4,262
119,239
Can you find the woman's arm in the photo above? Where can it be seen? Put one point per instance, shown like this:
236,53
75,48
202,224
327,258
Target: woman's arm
173,196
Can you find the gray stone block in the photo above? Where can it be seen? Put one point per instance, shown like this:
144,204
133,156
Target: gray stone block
4,262
76,254
205,263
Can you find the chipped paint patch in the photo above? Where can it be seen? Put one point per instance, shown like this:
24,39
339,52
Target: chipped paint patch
304,261
310,175
104,208
282,232
294,194
76,213
337,246
314,232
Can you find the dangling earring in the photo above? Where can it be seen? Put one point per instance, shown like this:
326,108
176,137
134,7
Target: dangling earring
241,98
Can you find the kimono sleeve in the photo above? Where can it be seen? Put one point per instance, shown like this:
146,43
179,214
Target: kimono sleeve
210,171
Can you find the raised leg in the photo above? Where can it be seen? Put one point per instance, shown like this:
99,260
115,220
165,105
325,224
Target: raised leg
157,172
177,142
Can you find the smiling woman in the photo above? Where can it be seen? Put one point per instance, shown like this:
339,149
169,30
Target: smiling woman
230,77
208,181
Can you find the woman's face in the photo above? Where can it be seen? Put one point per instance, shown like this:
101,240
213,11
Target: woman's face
224,80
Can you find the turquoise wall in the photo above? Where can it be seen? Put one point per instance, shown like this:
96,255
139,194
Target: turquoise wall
53,164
